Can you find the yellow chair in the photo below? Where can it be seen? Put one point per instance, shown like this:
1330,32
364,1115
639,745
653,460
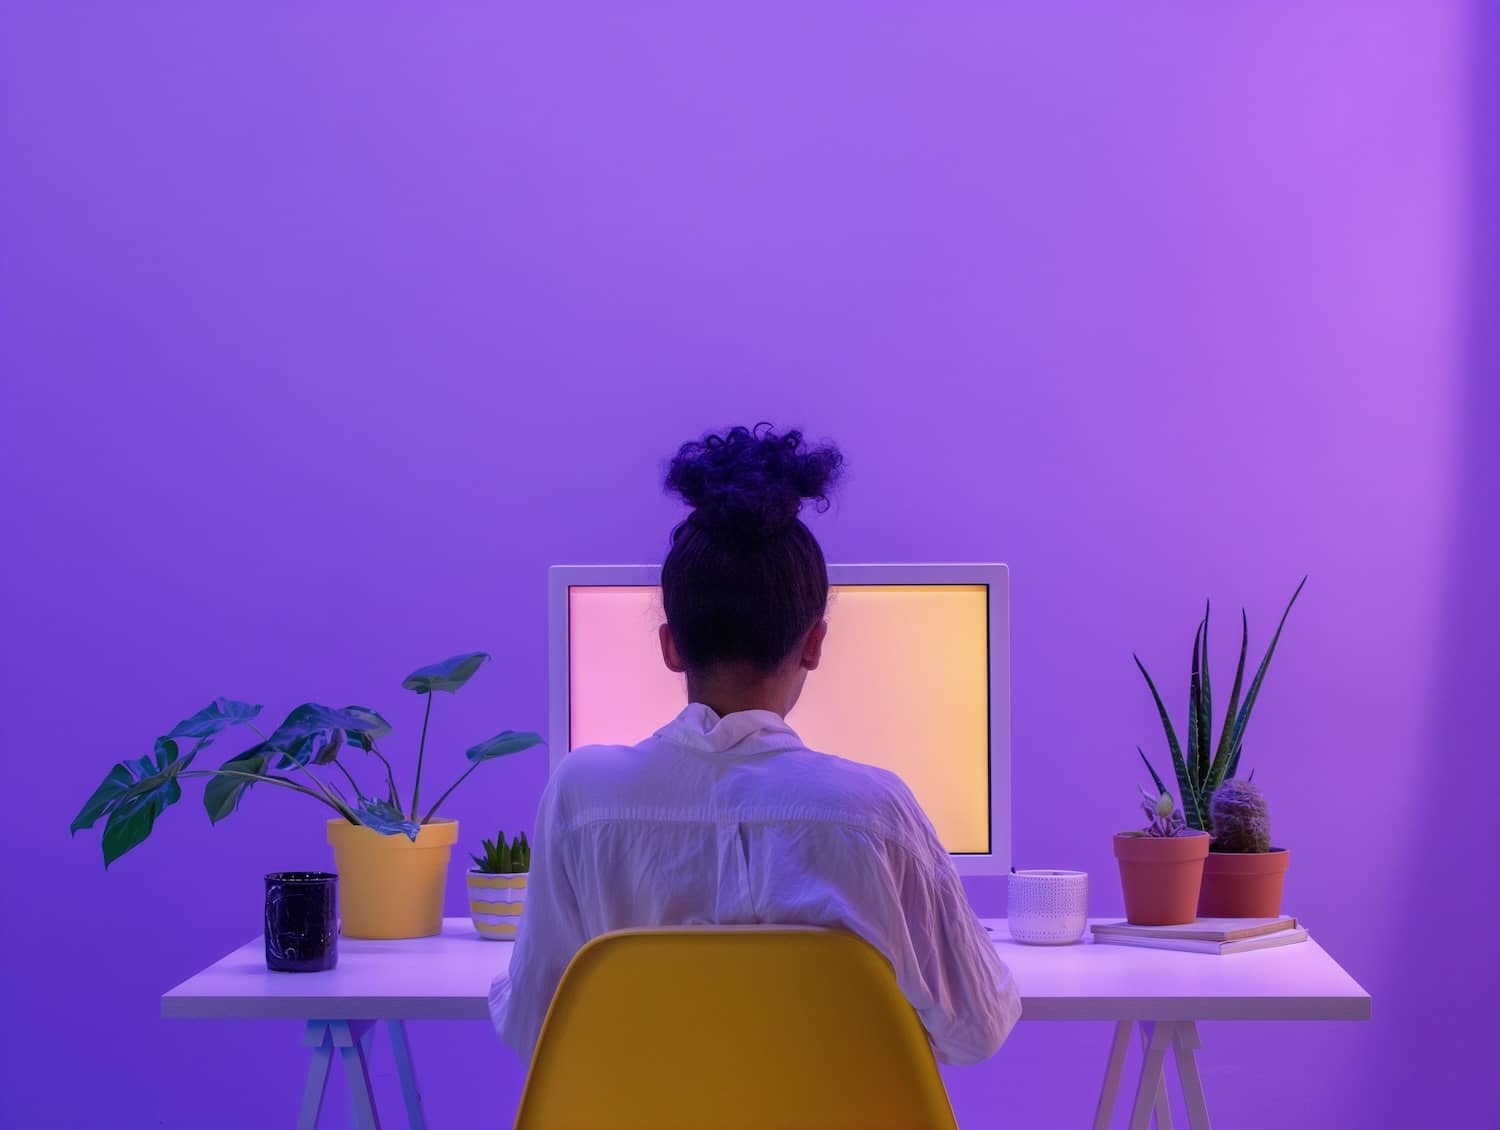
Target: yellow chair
731,1027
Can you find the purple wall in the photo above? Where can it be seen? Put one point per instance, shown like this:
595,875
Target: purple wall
322,334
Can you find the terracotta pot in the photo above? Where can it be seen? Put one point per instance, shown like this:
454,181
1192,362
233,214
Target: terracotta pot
1161,876
1243,884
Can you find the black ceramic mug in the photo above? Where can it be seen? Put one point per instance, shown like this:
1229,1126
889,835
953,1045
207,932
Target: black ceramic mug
302,921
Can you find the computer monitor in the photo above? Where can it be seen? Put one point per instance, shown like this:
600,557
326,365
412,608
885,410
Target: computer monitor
915,678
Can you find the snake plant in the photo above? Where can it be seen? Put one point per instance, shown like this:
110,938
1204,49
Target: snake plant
1207,764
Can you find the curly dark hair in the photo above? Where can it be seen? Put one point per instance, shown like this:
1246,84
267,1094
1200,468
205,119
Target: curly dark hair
745,578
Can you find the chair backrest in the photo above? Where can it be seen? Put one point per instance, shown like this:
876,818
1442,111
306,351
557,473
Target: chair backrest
760,1027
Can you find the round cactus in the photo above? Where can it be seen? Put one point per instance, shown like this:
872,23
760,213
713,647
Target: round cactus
1239,819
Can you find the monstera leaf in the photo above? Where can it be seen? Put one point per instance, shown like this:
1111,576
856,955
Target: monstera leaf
501,745
133,794
313,716
372,726
448,675
314,734
317,748
387,819
221,795
219,715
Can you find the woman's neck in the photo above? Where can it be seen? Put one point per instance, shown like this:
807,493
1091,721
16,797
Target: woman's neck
725,698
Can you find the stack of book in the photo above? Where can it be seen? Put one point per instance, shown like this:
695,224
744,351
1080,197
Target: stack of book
1207,935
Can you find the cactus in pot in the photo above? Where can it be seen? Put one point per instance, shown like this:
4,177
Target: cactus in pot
1240,820
1243,875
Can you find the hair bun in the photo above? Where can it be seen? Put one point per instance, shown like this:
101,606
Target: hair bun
752,481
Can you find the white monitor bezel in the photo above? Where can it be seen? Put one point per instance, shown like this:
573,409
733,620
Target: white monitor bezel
996,578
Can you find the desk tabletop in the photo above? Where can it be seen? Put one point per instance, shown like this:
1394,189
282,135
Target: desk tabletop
448,977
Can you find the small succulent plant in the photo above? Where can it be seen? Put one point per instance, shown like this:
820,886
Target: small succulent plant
1162,815
1241,823
501,858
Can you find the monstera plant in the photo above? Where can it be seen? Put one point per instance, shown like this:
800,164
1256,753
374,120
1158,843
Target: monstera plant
305,754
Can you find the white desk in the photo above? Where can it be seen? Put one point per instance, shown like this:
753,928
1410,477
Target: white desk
448,977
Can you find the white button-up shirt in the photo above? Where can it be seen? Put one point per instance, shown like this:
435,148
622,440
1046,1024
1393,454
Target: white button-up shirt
732,821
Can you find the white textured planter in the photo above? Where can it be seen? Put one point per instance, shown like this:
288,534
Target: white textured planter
1048,908
496,903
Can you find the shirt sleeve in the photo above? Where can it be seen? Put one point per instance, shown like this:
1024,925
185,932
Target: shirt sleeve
550,933
945,962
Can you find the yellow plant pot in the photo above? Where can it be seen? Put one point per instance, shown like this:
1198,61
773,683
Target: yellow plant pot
496,903
390,886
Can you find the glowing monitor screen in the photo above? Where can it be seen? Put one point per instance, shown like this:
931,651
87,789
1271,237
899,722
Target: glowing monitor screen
906,683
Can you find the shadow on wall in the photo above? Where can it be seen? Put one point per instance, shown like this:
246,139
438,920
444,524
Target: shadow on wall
1444,1051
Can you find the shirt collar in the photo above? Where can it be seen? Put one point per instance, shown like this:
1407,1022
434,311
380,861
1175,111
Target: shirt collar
744,732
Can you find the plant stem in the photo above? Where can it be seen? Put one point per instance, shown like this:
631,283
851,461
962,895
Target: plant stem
416,788
431,811
339,765
279,781
341,805
390,776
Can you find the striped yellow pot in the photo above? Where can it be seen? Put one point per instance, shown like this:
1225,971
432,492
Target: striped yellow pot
495,904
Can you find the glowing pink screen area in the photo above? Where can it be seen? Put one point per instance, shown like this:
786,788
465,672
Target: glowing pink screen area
904,684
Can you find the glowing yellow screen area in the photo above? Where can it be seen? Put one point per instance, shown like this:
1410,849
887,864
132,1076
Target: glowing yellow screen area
904,684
